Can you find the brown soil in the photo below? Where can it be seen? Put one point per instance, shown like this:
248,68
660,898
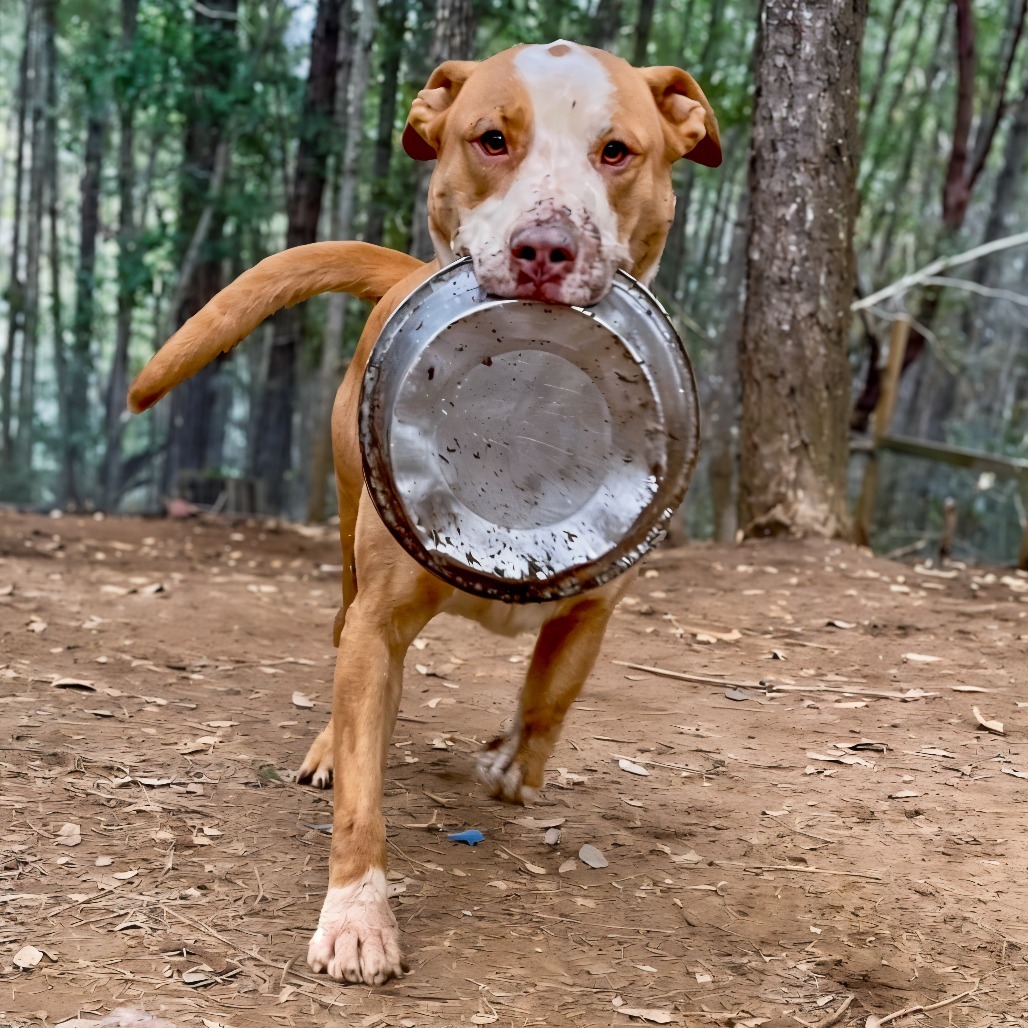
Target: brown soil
752,879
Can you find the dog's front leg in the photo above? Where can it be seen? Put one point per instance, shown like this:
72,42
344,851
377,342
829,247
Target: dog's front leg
513,765
357,939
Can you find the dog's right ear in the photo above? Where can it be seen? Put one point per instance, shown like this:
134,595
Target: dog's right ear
424,129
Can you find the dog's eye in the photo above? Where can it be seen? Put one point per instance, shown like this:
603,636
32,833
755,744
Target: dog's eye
615,152
493,142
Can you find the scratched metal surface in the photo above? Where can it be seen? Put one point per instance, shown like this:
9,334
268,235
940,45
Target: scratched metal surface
525,451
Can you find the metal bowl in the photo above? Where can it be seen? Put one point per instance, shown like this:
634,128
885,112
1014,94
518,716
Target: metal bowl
525,451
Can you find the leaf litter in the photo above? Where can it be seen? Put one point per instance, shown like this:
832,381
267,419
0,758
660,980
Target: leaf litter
740,913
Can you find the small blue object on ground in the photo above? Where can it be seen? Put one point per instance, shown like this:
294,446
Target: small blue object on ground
472,836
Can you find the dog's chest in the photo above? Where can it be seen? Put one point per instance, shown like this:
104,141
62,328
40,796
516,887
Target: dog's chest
502,618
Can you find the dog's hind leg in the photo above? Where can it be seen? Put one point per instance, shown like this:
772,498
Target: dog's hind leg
316,768
513,765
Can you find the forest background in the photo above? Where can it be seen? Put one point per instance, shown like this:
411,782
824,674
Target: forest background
151,150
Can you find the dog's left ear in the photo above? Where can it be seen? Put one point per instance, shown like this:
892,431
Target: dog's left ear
690,127
424,129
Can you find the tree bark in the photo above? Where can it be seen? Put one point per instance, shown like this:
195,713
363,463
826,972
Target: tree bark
273,437
81,362
606,22
342,227
67,491
394,18
193,442
23,442
117,380
16,286
723,404
453,40
800,269
643,26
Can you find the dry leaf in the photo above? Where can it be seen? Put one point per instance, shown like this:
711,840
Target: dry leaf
69,835
934,751
535,868
592,856
652,1016
540,822
568,865
920,658
631,767
1013,771
996,727
300,700
27,957
841,758
73,683
905,794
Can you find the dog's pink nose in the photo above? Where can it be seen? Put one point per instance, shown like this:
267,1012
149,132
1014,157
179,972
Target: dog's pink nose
544,253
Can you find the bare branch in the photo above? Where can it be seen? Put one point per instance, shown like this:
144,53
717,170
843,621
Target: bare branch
941,264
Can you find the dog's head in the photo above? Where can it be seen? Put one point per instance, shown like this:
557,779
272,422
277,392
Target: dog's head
554,166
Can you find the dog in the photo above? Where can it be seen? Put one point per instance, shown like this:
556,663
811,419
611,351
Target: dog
553,170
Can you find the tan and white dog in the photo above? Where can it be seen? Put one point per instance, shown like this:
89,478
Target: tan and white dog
554,170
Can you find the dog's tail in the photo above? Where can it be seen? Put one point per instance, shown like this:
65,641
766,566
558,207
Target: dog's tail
278,281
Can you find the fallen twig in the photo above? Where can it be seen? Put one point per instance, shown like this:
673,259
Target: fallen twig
685,676
815,871
769,685
832,1018
660,763
918,1008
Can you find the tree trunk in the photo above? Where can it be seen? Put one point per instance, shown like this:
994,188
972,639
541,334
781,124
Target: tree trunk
274,423
67,491
192,442
453,40
16,286
117,380
342,227
394,18
800,269
722,410
643,25
606,22
23,442
81,362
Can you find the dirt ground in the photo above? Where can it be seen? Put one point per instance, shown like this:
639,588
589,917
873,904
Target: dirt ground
823,820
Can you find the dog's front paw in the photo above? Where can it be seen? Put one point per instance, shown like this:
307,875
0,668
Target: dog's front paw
501,770
317,765
357,938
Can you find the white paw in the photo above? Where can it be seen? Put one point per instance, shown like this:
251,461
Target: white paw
357,938
502,774
317,765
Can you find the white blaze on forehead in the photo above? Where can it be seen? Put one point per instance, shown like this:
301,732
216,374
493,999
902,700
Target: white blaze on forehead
571,96
570,92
